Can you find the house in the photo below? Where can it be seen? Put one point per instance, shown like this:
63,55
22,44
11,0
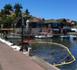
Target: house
38,27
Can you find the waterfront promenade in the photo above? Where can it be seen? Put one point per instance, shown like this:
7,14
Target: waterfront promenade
14,60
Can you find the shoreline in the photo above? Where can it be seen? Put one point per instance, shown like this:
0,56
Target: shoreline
27,53
48,66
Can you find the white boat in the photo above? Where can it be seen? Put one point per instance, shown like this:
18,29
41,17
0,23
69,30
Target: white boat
43,36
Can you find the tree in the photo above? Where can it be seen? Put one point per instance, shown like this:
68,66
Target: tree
5,12
17,8
6,21
2,13
64,21
27,12
2,17
7,9
43,19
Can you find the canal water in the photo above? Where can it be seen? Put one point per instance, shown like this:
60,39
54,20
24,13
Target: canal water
72,45
51,53
68,42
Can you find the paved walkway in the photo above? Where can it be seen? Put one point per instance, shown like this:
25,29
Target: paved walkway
14,60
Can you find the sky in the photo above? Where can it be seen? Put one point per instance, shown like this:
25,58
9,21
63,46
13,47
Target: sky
48,9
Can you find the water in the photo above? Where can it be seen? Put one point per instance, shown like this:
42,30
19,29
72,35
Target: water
72,45
50,53
69,42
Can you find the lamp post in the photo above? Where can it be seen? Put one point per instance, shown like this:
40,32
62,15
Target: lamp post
24,45
22,32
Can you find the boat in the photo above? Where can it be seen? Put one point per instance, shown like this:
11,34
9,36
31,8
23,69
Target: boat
43,36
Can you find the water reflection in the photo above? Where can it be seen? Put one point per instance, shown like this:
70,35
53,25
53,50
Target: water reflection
64,41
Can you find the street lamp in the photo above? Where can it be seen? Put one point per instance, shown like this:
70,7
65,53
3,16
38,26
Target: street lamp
22,32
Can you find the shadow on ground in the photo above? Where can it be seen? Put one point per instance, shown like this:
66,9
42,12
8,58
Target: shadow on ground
0,67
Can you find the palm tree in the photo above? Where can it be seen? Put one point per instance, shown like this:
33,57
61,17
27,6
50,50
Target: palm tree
27,12
17,8
5,14
27,15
